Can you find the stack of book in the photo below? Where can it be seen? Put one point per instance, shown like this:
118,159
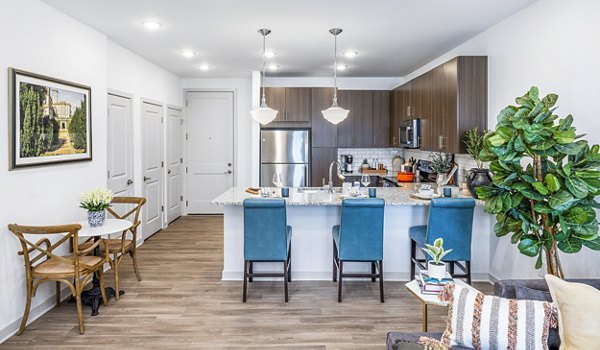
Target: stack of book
431,285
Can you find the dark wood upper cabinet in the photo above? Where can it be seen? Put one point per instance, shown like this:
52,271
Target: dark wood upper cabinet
381,119
293,105
324,134
275,98
297,104
395,118
421,93
357,129
449,99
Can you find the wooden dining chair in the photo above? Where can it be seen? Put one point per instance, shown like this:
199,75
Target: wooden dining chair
130,208
43,265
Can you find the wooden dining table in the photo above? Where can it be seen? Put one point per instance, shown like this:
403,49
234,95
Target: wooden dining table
93,297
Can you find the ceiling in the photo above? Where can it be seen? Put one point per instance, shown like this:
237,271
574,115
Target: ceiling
392,37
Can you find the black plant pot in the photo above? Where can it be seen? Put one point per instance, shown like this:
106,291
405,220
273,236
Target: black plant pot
476,178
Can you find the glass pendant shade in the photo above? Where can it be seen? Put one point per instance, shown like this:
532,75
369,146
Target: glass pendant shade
264,114
335,114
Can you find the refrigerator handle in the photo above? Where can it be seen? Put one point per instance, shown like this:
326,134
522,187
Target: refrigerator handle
306,179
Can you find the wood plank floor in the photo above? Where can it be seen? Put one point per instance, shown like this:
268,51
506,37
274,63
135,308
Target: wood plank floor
183,304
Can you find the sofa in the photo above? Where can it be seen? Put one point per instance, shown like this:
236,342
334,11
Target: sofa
526,289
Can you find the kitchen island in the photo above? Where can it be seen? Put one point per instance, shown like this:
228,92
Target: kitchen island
312,213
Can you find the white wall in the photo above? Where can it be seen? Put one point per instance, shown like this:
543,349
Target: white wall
245,129
68,50
141,79
552,44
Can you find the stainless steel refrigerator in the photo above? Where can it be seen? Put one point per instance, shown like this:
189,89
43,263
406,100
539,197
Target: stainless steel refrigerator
284,152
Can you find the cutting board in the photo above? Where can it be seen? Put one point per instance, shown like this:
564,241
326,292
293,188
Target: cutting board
374,171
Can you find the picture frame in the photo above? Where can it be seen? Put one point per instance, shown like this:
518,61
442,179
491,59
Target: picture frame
50,120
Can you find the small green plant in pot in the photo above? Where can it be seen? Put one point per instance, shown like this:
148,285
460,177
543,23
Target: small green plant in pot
436,268
96,201
477,177
365,164
545,181
441,163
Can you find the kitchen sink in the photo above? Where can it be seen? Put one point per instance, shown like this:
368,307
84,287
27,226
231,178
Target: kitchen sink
318,190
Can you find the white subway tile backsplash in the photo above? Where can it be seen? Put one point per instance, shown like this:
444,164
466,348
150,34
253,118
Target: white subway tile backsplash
383,155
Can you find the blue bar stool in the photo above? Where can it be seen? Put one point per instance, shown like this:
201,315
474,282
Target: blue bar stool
452,220
359,238
267,238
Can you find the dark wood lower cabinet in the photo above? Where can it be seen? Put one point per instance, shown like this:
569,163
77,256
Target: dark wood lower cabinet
321,159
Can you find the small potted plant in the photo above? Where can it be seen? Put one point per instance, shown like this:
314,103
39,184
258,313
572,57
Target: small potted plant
477,177
436,268
365,164
441,163
96,201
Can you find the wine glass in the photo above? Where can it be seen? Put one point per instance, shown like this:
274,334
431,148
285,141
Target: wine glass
277,180
365,180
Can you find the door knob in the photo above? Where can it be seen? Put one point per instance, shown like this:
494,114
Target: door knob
146,178
169,171
129,182
228,164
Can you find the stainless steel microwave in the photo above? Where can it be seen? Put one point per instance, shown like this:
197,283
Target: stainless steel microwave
410,133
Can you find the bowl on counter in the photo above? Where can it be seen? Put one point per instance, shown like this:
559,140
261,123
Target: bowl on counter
406,176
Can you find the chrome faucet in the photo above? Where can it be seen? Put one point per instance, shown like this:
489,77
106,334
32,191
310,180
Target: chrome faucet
339,174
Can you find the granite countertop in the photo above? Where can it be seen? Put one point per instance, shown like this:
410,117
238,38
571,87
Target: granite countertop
393,196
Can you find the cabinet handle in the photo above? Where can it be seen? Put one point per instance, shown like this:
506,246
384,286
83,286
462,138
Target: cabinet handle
394,141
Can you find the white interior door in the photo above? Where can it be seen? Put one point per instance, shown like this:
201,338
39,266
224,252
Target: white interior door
152,167
174,160
120,147
209,149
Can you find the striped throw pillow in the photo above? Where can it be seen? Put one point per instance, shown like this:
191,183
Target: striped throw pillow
479,321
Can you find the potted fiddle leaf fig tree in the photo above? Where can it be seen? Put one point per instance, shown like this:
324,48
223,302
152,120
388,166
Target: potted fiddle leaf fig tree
474,142
545,181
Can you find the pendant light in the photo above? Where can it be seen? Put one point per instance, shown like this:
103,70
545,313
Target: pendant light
335,113
263,114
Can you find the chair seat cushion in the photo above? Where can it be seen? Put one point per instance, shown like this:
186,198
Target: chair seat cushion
114,245
418,234
54,266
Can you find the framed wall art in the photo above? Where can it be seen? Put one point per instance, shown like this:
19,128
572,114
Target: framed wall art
50,120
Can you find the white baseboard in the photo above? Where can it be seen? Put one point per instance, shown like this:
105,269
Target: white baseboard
39,310
35,313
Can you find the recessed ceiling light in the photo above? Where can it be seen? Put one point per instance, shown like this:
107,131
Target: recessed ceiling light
204,67
350,54
342,66
188,53
270,54
273,67
151,25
